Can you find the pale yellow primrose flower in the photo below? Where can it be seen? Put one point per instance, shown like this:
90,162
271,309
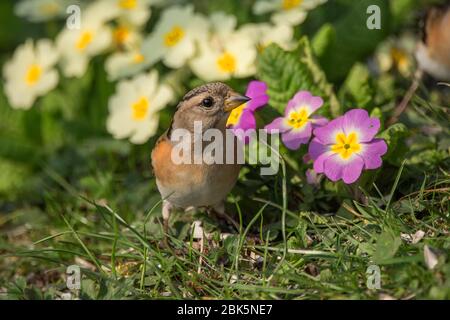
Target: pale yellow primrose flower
30,73
396,53
290,12
42,10
175,35
129,58
126,35
226,53
127,63
133,109
264,34
78,46
136,12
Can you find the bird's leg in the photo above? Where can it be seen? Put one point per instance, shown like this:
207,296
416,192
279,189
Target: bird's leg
166,209
219,209
198,233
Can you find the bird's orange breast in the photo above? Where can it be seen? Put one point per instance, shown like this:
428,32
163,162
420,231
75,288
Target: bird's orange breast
187,185
170,174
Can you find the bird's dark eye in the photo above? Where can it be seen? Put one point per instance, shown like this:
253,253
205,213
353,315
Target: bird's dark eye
207,102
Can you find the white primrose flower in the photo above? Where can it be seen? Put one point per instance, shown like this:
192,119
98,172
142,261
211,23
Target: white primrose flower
136,12
41,10
126,36
133,109
291,12
265,34
78,46
174,37
226,53
30,73
127,63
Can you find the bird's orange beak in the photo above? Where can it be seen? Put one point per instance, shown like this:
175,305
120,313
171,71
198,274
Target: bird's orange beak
234,101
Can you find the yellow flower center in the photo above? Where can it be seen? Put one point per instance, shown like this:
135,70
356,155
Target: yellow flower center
235,115
33,74
174,36
138,58
346,145
226,63
298,119
128,4
121,35
400,58
84,40
291,4
140,108
49,8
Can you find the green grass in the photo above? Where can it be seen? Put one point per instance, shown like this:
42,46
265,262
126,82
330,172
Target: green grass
72,195
305,255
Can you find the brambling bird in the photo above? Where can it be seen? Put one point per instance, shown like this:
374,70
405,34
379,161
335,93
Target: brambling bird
196,185
433,52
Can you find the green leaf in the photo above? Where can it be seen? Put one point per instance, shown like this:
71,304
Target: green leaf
357,91
394,135
289,72
402,10
12,176
323,39
353,41
386,247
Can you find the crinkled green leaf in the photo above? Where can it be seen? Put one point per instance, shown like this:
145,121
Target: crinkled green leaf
323,39
357,91
394,137
288,72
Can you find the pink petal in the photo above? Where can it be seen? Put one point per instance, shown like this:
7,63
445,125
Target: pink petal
293,143
327,134
349,170
246,121
256,88
318,121
319,161
277,124
372,153
257,102
315,103
358,120
352,170
316,148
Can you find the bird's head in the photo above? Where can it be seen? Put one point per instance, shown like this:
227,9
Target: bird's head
210,103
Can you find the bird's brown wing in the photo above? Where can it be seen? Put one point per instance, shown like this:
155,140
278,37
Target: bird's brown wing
437,30
165,137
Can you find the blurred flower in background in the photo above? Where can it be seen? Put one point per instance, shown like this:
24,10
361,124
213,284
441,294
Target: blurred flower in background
128,58
213,48
42,10
127,63
173,40
227,53
78,46
133,109
396,54
136,12
290,12
30,73
264,34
